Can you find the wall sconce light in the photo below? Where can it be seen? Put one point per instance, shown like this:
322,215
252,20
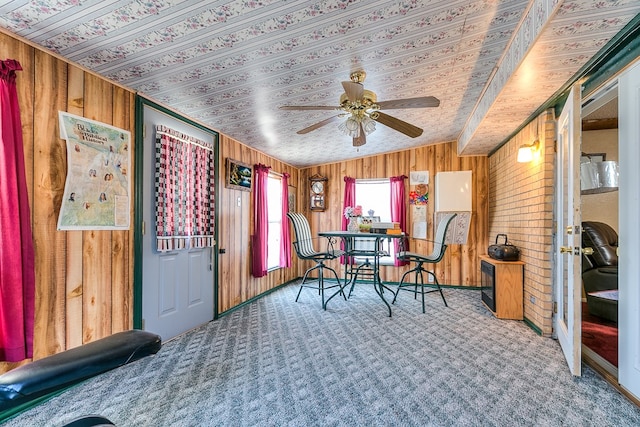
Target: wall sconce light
526,152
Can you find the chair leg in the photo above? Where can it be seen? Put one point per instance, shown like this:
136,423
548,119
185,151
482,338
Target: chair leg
304,279
354,275
321,288
421,287
321,284
340,286
418,270
435,280
335,273
402,284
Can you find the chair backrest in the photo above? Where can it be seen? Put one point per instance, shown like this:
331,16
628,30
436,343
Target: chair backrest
604,241
367,246
439,245
304,242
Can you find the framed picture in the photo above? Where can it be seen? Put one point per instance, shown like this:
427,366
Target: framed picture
239,175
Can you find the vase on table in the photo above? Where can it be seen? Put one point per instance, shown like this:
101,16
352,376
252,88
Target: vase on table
353,224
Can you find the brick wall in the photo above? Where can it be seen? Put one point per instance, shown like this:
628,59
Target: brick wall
521,205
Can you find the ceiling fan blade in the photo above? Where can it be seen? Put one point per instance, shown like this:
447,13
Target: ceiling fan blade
397,124
354,90
420,102
317,125
308,107
361,139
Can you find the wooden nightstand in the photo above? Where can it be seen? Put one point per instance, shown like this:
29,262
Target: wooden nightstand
502,287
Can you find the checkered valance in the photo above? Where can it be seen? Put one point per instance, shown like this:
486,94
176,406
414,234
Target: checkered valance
184,183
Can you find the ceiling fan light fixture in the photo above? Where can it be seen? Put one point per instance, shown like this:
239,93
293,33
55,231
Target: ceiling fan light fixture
352,124
368,125
350,127
362,111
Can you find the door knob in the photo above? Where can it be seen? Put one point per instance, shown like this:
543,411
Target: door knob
566,250
587,251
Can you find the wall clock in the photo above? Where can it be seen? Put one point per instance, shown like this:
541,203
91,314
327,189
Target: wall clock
318,189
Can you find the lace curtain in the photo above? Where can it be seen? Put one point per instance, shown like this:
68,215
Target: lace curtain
184,185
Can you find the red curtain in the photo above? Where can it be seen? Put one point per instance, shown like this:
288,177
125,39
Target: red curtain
285,235
399,212
17,271
260,237
349,200
349,197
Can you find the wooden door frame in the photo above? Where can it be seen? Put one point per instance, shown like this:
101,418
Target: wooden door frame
141,102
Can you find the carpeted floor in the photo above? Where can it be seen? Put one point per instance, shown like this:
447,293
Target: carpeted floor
600,335
279,363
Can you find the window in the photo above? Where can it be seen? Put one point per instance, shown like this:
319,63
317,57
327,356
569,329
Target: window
375,195
274,202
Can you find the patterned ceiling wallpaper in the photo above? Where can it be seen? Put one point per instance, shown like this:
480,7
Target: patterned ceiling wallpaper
232,64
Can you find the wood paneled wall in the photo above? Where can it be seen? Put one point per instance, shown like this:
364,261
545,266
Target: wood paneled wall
460,265
235,221
84,279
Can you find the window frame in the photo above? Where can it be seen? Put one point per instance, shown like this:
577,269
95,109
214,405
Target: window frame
388,245
272,248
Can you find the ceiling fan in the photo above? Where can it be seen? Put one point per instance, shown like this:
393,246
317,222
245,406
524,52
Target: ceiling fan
362,110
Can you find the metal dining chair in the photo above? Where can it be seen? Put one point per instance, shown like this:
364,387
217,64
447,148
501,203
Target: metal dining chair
439,248
304,247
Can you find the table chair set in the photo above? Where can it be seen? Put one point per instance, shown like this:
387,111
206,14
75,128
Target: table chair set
368,248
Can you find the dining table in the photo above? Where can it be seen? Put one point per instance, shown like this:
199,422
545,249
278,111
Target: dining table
371,253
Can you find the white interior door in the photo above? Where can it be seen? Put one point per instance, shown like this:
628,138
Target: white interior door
177,286
629,235
568,241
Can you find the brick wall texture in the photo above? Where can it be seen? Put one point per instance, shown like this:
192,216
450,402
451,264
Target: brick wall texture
521,206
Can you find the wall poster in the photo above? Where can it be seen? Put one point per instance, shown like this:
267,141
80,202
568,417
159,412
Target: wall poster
419,221
97,190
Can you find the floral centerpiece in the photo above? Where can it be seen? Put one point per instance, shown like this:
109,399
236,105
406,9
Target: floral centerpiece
353,213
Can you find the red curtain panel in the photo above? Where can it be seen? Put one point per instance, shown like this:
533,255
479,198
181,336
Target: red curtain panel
17,271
